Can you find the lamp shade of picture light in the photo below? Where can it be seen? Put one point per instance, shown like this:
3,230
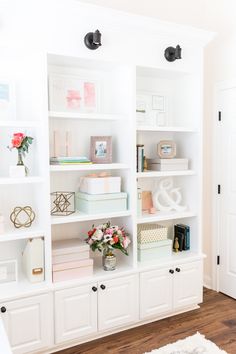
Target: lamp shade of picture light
92,40
171,53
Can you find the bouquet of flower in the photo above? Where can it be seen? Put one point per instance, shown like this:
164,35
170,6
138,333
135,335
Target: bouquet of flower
106,237
21,142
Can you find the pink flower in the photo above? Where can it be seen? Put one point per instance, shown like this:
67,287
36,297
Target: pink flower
126,242
17,140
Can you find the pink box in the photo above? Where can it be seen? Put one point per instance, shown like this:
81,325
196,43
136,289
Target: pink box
70,257
73,245
72,270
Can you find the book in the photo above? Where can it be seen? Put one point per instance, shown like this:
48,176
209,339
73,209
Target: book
64,160
140,157
183,233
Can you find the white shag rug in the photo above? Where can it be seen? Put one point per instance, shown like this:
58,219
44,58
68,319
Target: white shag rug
196,344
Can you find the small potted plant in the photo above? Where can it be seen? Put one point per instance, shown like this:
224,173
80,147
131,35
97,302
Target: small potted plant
106,238
21,142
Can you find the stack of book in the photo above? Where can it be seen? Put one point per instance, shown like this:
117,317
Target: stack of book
182,233
70,160
140,158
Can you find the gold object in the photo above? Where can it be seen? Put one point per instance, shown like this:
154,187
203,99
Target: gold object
176,244
37,271
145,165
22,216
63,203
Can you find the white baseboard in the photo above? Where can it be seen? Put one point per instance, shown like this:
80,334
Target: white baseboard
207,282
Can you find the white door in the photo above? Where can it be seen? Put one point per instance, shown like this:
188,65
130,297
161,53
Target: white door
75,312
118,302
155,292
188,284
227,197
29,323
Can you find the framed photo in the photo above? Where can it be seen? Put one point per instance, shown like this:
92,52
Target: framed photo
7,100
166,149
158,103
101,149
151,109
73,94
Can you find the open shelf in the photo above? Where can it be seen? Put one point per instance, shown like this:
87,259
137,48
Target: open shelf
78,115
80,217
21,234
23,180
164,173
92,167
163,216
165,129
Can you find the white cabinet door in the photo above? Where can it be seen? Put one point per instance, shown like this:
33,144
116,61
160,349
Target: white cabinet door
188,284
155,292
75,312
28,323
118,302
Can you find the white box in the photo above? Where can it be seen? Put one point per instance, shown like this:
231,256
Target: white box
100,185
167,164
33,260
154,250
8,271
17,171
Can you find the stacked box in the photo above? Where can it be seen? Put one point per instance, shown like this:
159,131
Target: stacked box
174,164
100,185
101,203
151,233
70,260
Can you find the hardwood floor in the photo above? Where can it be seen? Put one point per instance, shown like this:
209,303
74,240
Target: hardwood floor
216,319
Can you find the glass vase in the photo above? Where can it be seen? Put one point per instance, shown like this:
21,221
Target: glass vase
20,162
109,260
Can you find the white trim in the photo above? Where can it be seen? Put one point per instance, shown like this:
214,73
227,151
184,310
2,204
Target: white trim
207,282
216,179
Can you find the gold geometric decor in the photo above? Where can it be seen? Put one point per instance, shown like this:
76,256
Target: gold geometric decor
22,216
63,203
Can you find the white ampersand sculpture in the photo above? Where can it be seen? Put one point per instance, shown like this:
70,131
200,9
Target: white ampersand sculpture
167,198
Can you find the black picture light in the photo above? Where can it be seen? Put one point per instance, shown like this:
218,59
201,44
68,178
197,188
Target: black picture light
92,40
171,53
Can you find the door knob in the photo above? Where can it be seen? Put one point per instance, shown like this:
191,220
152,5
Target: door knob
94,288
177,270
103,287
3,309
171,271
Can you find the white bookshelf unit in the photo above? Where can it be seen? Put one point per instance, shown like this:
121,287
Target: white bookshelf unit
63,314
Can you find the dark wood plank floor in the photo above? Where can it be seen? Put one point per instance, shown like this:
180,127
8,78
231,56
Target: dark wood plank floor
216,319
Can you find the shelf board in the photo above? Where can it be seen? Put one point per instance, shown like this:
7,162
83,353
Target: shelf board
80,217
23,180
86,116
92,167
180,257
164,216
19,123
165,173
165,129
21,234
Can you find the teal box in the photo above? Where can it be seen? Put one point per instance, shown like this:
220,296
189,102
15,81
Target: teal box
101,203
154,250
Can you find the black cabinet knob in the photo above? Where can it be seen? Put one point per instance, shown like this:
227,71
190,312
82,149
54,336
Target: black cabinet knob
177,270
103,287
94,288
3,309
171,271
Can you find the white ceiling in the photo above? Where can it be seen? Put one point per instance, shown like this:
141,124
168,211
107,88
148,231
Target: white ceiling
216,15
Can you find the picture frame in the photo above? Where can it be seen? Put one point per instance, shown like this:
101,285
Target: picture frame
101,149
166,149
71,93
7,99
151,109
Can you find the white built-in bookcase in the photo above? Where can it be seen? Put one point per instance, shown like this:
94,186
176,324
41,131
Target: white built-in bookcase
116,116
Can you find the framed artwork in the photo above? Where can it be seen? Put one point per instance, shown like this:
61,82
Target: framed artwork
73,94
101,149
151,109
166,149
7,100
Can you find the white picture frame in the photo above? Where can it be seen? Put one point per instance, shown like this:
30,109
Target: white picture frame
71,93
151,109
7,99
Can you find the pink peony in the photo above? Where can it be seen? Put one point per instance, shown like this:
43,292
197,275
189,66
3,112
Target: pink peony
126,242
17,140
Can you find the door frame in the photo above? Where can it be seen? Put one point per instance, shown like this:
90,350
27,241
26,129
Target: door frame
216,179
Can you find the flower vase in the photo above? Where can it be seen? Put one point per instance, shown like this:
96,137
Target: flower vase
109,260
20,169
